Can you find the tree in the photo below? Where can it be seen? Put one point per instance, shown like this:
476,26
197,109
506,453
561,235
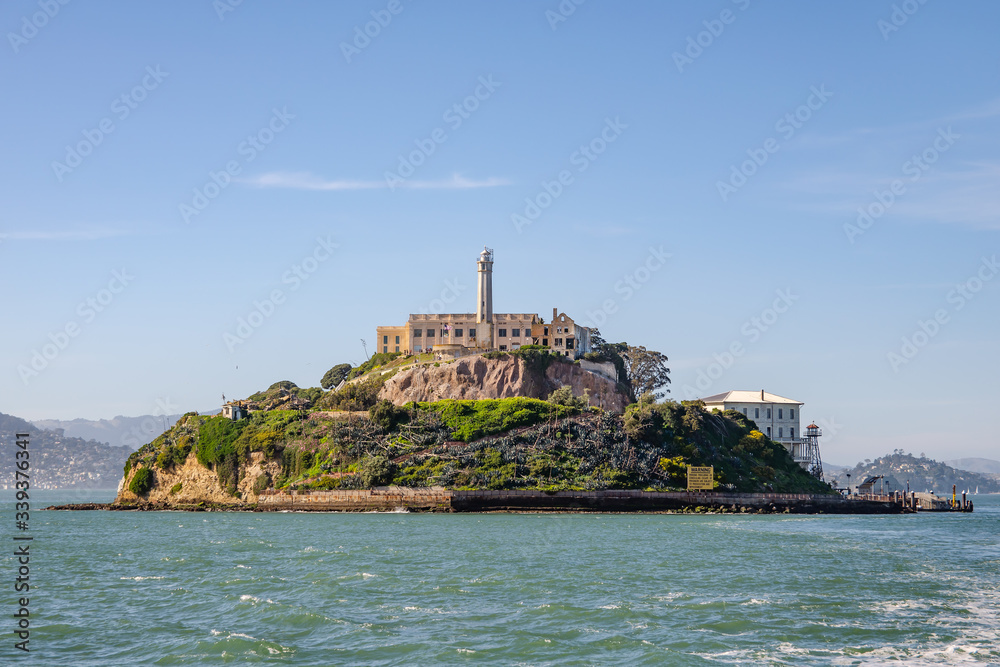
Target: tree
646,370
335,376
605,351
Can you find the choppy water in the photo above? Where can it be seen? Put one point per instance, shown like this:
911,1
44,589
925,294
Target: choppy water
171,588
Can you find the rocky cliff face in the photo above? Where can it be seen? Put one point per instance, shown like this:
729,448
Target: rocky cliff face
198,484
476,378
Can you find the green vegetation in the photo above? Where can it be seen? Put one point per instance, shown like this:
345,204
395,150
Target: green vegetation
355,396
335,376
509,443
536,357
376,361
285,395
176,488
469,420
141,482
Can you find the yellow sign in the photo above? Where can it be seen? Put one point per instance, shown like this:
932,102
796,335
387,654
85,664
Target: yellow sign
700,478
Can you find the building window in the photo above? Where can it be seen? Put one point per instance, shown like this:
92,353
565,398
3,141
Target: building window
417,348
545,331
779,413
791,432
502,333
397,348
397,343
459,333
756,413
545,341
569,343
558,342
472,334
791,413
385,340
503,348
769,413
430,333
417,333
515,333
769,431
744,412
385,348
781,432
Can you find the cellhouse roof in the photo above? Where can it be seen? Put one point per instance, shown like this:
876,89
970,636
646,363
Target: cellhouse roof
740,396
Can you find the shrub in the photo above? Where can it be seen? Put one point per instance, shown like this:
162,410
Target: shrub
386,415
564,396
262,483
176,488
141,482
335,376
375,470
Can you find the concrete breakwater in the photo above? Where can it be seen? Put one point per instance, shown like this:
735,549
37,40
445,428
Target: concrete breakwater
444,500
437,499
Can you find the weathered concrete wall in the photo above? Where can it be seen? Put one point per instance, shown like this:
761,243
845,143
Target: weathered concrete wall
439,499
381,499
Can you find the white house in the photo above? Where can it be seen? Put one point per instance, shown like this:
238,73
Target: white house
776,417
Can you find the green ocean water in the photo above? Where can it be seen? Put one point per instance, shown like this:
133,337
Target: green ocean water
174,588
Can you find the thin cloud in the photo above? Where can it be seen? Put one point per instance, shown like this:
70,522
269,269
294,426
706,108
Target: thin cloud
308,181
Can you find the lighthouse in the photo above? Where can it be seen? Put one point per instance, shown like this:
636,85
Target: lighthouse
484,305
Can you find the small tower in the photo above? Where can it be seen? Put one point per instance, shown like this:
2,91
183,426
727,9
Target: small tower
484,304
812,450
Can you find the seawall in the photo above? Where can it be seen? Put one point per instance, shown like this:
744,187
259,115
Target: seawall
444,500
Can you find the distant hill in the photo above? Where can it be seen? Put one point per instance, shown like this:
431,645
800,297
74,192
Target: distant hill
59,461
130,432
922,474
982,466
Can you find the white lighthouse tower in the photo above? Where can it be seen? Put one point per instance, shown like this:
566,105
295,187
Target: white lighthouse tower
484,305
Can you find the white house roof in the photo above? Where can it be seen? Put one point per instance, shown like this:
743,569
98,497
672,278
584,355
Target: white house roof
740,396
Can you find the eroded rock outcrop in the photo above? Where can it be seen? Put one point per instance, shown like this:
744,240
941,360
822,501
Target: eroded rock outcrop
476,378
194,483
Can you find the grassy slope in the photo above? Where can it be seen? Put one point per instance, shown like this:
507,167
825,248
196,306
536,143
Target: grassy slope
505,443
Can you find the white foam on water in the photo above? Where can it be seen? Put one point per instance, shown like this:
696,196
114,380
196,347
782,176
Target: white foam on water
255,599
138,578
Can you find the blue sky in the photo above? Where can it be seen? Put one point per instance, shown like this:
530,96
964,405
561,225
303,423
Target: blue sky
179,165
